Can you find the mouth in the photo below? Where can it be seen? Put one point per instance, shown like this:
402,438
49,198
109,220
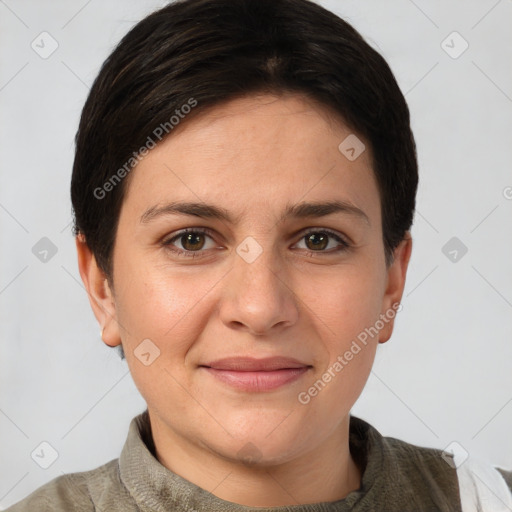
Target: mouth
256,375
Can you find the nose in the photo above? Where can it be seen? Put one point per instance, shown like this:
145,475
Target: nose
257,295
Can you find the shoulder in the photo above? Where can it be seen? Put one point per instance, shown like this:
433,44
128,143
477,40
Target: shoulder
507,476
437,470
83,491
402,457
423,466
409,476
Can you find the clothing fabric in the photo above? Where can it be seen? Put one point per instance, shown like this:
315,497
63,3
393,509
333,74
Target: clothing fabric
482,488
396,477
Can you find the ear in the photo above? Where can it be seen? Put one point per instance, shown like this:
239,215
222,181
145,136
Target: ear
100,295
395,286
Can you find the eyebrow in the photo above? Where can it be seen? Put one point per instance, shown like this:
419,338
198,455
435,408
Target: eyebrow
298,211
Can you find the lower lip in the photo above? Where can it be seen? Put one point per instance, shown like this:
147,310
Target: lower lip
258,381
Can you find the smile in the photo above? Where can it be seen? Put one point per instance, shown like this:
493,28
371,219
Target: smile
257,375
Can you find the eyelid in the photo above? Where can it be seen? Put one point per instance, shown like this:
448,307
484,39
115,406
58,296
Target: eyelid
344,243
335,234
176,235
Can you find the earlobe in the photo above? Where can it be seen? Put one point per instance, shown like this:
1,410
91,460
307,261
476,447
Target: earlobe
396,276
98,290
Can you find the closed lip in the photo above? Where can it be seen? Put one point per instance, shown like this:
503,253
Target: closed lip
250,364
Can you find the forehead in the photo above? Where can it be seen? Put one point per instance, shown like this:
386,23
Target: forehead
255,154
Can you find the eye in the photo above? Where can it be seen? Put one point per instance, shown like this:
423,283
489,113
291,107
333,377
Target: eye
317,240
192,241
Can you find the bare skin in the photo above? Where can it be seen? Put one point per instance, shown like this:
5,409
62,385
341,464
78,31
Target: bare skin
302,298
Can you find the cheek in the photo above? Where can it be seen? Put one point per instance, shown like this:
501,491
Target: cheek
170,312
163,306
344,313
346,301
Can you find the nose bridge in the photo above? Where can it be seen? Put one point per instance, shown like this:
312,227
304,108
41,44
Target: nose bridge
259,297
257,266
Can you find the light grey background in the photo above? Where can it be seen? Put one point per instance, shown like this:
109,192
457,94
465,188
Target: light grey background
446,373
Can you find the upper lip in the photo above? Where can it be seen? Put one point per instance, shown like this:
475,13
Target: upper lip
250,364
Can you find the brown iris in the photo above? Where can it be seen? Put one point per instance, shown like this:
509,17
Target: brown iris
319,240
192,241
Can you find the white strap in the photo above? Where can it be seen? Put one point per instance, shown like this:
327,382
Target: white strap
483,488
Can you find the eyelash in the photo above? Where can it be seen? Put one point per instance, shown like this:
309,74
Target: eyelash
345,245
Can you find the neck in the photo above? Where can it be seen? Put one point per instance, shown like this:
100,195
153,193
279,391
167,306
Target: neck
326,473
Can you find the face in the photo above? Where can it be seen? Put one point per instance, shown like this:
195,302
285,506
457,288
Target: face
229,327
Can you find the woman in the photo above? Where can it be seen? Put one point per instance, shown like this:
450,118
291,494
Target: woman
244,187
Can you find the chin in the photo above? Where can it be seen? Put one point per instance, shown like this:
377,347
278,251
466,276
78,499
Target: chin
263,446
